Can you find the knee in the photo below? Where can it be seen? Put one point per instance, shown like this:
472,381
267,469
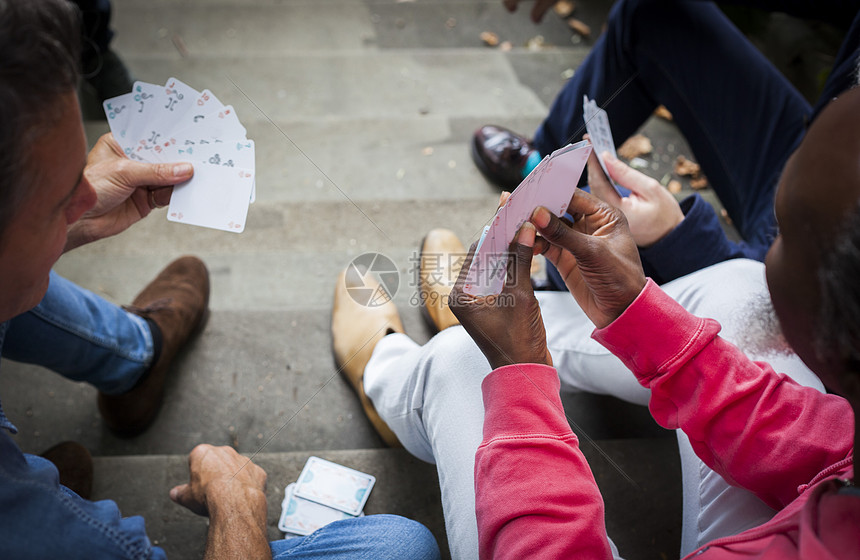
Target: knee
398,538
452,356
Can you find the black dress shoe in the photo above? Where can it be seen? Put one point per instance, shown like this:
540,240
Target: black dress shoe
501,155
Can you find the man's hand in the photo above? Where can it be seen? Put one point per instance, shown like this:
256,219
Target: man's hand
508,328
540,8
219,474
127,191
596,256
651,211
231,491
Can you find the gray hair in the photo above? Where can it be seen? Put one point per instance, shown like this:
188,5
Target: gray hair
40,42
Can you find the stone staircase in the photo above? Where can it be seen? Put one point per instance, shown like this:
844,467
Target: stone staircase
362,112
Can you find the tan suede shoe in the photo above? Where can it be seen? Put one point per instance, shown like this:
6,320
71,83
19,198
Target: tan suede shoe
355,330
442,256
177,301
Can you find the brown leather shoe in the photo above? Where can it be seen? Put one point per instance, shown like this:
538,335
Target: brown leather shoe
355,330
442,257
75,465
177,301
501,155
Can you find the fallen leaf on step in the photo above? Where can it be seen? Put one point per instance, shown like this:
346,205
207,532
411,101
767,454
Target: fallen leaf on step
580,27
564,8
489,38
687,168
663,113
724,213
699,183
536,43
506,46
635,146
451,23
674,186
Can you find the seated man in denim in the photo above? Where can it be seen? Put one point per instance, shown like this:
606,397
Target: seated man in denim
54,198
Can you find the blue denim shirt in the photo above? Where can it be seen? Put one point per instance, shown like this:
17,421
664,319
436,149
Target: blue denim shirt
39,518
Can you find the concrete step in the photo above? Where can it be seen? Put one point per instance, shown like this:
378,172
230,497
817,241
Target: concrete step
641,492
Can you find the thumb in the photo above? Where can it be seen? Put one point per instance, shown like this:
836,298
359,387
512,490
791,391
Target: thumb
139,174
178,493
520,261
628,177
599,183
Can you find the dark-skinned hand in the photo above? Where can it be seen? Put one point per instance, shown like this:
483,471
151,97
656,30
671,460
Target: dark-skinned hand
508,328
596,256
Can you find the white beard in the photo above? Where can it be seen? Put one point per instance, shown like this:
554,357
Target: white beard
857,73
761,333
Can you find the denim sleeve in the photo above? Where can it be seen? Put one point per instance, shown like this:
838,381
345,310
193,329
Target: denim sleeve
696,243
41,519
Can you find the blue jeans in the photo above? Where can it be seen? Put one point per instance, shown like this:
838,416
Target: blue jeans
741,117
375,537
82,337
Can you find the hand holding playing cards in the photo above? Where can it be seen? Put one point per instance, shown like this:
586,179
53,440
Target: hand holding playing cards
508,328
127,191
596,256
651,211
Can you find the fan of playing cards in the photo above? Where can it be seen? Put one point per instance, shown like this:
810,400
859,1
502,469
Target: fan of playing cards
175,122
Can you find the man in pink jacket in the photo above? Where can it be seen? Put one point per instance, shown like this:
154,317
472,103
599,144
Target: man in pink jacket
790,445
767,456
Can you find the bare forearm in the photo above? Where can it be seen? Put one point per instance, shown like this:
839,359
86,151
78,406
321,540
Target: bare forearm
237,528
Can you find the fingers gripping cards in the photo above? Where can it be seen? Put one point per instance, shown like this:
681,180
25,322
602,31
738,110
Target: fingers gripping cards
175,122
551,184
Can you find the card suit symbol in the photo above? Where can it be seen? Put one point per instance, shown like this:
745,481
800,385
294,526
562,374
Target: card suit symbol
199,102
180,216
230,225
238,226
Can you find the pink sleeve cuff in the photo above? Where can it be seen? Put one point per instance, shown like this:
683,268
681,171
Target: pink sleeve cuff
523,399
655,333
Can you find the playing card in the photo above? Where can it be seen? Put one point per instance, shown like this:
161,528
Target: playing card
118,112
205,103
180,99
220,124
214,197
551,185
334,485
302,517
146,99
599,131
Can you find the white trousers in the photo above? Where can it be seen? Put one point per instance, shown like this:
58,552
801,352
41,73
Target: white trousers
431,398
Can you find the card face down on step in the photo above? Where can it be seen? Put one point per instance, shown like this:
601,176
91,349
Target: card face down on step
334,485
551,184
